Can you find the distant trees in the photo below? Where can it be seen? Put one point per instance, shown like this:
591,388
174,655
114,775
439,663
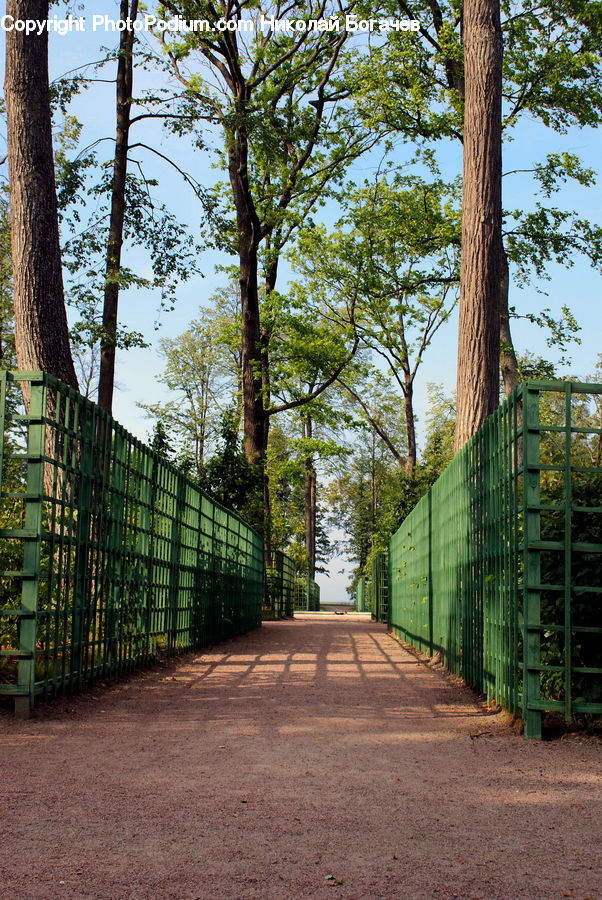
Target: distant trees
202,375
396,251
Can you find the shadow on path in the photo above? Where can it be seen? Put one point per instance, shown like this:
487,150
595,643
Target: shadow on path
310,758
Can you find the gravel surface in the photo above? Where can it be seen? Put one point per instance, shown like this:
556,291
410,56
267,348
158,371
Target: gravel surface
310,758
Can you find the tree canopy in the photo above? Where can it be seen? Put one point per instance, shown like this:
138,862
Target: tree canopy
321,171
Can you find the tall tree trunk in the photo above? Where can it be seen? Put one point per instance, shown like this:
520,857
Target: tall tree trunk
41,332
408,399
125,71
373,492
310,502
248,244
264,350
266,523
408,389
479,325
508,362
253,408
255,424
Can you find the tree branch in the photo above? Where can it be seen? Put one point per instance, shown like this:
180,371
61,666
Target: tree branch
375,423
301,401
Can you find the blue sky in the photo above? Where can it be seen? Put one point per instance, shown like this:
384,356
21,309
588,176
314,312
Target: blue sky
579,286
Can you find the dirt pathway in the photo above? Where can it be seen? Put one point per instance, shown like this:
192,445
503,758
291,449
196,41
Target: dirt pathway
311,758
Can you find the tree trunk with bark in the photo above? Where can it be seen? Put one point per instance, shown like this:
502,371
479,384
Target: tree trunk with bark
310,501
266,520
253,409
508,361
264,351
41,331
125,71
249,238
373,492
408,400
479,325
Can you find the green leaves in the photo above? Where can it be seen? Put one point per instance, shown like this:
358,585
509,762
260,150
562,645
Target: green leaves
552,61
148,224
548,234
389,271
558,168
201,372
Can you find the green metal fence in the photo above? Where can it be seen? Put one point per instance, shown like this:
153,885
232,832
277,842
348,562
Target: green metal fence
498,566
379,587
307,594
314,596
108,553
361,604
281,573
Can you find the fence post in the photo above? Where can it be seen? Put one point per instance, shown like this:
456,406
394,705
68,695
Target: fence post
116,499
34,503
174,564
81,597
431,598
532,566
568,518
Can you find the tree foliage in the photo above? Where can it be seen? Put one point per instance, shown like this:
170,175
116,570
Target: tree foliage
278,101
394,256
202,379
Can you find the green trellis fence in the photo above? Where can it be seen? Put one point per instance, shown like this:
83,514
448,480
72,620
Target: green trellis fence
498,566
108,554
379,587
282,574
307,594
361,594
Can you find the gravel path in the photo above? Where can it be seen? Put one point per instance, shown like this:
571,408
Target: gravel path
310,758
